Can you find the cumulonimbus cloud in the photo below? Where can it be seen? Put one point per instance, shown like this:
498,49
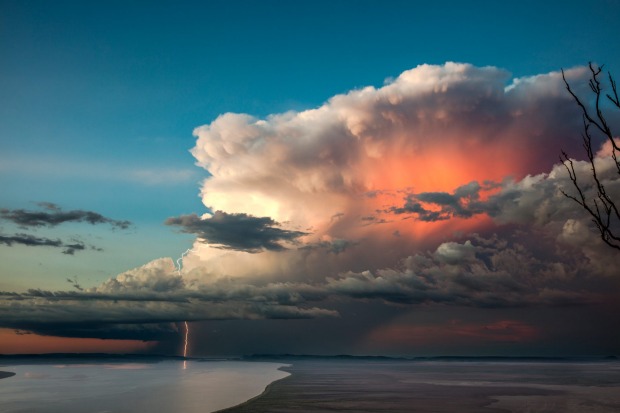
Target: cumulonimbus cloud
339,172
441,187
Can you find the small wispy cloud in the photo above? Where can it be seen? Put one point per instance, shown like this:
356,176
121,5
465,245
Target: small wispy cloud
53,215
33,241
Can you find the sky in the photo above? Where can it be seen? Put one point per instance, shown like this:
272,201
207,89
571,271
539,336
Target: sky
301,177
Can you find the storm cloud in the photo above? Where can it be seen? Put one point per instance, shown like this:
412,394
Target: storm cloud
144,303
133,304
474,273
423,192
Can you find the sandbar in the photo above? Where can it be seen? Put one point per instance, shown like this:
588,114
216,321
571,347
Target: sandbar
5,374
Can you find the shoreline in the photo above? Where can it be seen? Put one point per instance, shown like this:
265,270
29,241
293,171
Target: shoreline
6,374
265,392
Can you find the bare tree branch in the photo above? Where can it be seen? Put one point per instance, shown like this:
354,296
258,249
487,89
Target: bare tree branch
602,208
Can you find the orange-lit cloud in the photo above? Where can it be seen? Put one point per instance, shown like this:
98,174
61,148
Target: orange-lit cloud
434,128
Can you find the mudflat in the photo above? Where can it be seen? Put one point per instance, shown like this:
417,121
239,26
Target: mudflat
5,374
319,386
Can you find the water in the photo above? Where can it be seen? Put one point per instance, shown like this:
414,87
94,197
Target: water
134,387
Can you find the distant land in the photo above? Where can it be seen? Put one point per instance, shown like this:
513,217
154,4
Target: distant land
279,357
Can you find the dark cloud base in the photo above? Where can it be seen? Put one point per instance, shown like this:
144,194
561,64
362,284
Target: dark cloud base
241,232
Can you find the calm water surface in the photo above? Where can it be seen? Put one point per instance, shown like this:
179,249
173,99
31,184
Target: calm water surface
134,387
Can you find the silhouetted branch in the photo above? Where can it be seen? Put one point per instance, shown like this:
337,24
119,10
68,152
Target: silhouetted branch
602,208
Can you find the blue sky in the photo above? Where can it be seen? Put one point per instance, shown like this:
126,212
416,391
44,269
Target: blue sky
120,85
98,100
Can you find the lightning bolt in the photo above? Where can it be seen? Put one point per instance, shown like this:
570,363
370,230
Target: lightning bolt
185,346
186,339
179,267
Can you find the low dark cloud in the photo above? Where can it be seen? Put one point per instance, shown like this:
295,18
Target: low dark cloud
133,315
240,232
53,215
146,302
107,331
479,272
